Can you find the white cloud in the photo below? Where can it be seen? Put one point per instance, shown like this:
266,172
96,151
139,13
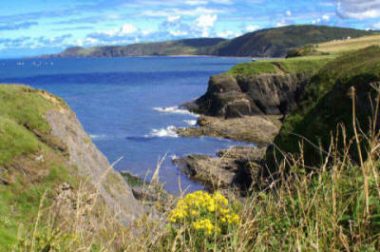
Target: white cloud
288,13
196,2
326,17
205,23
316,21
182,12
281,23
173,18
127,29
228,34
205,2
358,9
375,26
251,28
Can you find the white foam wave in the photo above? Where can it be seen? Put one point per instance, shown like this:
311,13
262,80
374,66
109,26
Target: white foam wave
169,131
98,137
173,110
191,122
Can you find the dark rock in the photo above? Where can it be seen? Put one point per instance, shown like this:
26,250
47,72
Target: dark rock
236,168
266,94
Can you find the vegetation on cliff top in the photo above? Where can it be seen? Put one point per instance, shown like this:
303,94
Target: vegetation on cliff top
21,114
327,103
281,66
24,138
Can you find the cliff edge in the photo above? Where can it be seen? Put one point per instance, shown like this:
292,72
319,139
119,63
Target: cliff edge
44,154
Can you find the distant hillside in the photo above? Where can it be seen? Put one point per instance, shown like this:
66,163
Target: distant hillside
201,46
335,47
276,42
273,42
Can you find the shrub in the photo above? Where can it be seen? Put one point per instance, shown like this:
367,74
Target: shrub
203,217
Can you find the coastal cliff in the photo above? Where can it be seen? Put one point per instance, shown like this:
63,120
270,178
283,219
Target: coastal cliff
47,157
266,94
314,105
249,102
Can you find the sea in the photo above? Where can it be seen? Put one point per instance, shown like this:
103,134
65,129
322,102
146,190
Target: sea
131,106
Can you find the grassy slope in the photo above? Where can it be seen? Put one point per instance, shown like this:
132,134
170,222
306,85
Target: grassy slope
273,42
276,42
335,47
291,65
326,102
23,180
342,46
180,47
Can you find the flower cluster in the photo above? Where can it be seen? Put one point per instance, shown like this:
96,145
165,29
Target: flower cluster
202,212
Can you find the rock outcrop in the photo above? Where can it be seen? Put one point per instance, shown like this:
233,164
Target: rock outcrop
266,94
93,165
235,168
260,130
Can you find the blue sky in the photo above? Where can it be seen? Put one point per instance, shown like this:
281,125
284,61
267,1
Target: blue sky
32,27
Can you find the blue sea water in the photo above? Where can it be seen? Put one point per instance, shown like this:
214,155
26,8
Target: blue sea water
129,105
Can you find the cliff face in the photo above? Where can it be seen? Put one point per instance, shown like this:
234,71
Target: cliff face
265,94
92,164
44,152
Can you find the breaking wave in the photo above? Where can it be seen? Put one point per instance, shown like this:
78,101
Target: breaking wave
173,110
170,131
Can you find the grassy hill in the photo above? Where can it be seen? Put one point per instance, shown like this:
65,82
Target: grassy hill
342,46
273,42
276,42
335,47
200,46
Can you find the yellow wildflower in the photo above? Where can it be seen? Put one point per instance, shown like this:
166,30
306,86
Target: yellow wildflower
201,211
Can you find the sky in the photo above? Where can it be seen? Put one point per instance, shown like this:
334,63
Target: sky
35,27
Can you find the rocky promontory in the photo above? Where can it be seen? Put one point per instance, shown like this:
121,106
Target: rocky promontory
248,103
231,96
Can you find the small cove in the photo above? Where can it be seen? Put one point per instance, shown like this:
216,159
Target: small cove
129,106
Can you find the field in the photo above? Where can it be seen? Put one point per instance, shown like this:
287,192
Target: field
341,46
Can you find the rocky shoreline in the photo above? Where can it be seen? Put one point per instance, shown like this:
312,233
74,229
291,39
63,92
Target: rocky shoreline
236,169
242,108
257,129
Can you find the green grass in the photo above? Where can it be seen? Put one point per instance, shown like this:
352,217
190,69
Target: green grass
21,118
326,103
132,180
309,64
15,140
21,112
342,46
19,202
